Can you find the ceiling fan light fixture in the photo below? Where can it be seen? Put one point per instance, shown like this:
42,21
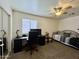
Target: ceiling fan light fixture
58,13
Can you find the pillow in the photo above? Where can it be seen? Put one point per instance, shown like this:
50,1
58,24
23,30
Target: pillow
67,34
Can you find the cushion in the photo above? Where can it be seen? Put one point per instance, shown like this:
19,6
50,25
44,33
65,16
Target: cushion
67,34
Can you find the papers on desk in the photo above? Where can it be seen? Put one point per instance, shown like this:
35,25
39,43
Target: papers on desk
1,45
24,38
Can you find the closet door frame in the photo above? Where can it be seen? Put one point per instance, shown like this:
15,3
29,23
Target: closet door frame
2,28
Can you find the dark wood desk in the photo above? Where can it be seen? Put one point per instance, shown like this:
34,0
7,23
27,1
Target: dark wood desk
18,43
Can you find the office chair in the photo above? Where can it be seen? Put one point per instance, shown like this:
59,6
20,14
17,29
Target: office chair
33,41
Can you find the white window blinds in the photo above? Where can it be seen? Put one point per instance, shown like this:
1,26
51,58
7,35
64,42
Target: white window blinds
28,24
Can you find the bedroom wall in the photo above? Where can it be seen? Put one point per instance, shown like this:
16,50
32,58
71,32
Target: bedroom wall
71,23
46,24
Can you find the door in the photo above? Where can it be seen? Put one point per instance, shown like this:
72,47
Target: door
4,32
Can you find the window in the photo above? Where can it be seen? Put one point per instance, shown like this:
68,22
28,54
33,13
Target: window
28,24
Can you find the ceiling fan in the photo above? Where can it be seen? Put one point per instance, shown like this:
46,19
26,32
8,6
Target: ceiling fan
62,7
61,10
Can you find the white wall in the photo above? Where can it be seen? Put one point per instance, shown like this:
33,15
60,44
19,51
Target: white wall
71,23
46,24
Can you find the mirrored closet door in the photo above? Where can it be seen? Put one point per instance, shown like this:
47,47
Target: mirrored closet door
1,40
4,33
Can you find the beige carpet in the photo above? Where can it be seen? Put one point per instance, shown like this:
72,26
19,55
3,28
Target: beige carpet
54,50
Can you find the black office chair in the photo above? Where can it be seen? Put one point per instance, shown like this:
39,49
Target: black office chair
33,41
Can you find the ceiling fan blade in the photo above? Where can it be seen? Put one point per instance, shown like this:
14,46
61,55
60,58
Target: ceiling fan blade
69,7
65,13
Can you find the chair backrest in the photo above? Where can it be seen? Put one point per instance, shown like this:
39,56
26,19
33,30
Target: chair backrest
33,37
36,30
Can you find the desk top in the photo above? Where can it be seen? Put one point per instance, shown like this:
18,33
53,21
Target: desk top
23,38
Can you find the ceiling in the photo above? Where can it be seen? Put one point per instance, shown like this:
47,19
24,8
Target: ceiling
38,7
42,7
